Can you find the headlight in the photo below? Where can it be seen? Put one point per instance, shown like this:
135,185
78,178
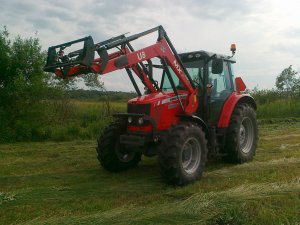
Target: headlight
129,119
140,121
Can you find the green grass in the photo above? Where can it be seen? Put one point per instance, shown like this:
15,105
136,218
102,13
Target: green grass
62,183
280,108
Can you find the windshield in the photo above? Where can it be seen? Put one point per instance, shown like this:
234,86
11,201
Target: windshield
195,70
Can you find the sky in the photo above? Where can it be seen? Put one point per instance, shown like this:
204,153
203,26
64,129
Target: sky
266,32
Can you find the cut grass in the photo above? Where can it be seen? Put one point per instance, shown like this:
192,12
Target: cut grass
62,183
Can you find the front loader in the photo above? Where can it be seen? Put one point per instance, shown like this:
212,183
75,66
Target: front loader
194,111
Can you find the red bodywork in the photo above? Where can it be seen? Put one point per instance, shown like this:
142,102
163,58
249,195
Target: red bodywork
165,107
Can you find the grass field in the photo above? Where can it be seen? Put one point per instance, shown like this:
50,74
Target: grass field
62,183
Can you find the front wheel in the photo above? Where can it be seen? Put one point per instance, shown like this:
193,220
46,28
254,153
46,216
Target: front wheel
242,134
183,154
112,155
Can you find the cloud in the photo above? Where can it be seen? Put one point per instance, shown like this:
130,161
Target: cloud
286,48
266,32
221,10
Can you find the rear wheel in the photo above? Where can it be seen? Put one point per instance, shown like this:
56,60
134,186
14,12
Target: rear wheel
183,154
112,155
242,134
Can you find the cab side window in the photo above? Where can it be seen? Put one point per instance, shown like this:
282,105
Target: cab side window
221,82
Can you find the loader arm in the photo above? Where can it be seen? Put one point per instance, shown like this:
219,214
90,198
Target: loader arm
125,58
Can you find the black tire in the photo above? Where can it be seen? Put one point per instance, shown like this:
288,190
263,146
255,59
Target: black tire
183,154
112,155
242,134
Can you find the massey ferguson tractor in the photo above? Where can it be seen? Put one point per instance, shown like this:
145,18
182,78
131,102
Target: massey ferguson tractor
195,110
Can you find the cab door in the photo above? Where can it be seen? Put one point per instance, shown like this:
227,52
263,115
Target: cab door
221,88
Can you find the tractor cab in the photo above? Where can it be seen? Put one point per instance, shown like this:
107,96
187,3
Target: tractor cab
213,75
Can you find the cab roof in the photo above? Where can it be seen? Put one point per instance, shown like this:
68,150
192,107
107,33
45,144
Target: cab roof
203,55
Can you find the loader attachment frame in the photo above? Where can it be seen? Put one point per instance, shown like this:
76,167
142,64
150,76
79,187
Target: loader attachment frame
83,61
85,56
57,59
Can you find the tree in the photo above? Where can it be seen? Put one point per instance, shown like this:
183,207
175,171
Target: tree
94,82
287,81
29,97
5,52
23,83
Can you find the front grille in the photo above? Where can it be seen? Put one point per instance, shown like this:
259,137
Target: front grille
139,108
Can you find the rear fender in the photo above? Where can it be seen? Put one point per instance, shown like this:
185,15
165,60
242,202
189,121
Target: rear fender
229,106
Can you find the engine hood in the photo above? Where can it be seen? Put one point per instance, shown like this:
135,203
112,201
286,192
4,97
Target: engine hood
156,97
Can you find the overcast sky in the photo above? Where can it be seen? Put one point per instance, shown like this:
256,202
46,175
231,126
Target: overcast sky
266,32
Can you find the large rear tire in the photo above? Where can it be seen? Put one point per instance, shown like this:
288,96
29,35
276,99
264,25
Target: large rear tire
112,155
242,134
183,154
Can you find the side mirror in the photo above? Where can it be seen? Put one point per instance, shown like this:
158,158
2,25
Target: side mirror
239,85
217,66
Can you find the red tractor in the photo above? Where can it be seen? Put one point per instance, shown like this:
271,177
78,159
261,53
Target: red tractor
196,111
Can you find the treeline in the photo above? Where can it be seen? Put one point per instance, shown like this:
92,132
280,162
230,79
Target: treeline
274,104
283,101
